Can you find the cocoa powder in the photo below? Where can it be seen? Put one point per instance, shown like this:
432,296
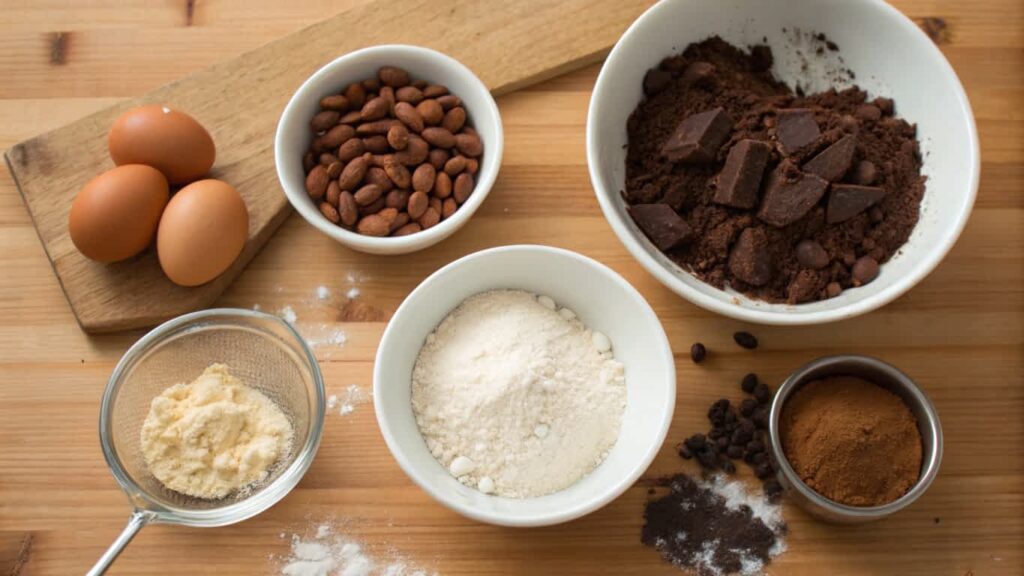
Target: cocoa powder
852,441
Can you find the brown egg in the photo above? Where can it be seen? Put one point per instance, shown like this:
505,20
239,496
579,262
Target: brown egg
202,231
164,138
115,215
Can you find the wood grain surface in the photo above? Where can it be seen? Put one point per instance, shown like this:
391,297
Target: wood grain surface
240,100
960,333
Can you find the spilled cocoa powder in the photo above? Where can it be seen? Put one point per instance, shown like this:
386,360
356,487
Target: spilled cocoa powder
852,441
728,241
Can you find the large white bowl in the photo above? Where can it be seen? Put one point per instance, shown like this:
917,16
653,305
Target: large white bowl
293,136
890,57
605,302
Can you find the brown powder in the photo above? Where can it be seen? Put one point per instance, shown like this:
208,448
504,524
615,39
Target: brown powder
852,441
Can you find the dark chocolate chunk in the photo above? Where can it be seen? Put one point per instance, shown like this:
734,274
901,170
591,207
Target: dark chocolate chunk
740,178
804,286
685,453
698,72
762,393
787,197
810,254
698,352
734,452
750,260
748,383
847,200
865,269
772,490
698,137
656,80
834,161
795,128
761,58
745,340
865,174
695,442
661,224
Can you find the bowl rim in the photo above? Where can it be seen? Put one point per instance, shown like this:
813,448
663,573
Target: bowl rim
554,516
724,304
248,507
485,177
837,364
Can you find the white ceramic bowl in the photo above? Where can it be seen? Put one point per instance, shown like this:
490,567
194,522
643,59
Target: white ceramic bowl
604,301
293,136
889,55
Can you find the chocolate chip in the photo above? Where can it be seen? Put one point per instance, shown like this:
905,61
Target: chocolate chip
661,224
740,178
833,289
728,467
762,393
760,416
685,453
698,72
761,58
741,436
833,162
747,407
788,197
707,458
750,260
755,458
698,352
868,112
755,446
795,128
772,490
865,269
866,173
656,80
734,452
811,255
722,443
696,442
748,383
745,340
847,200
763,470
698,137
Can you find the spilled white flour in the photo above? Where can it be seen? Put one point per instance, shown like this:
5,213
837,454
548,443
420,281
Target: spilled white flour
328,552
346,402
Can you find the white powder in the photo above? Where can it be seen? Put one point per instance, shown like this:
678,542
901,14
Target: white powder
513,396
323,293
288,314
736,496
352,293
346,403
330,553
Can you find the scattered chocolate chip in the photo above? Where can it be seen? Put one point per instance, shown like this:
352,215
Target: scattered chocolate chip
760,417
866,173
749,382
750,259
755,446
734,452
747,407
787,199
762,393
722,443
661,224
745,340
811,255
763,470
868,112
740,178
698,352
772,490
865,269
685,453
728,467
741,436
707,458
848,200
833,162
937,519
833,289
695,442
795,128
698,137
656,80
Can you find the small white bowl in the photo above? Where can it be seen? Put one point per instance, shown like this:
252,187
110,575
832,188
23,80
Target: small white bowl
293,136
890,57
605,302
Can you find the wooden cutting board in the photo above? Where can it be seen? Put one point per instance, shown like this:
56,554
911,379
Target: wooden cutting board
508,44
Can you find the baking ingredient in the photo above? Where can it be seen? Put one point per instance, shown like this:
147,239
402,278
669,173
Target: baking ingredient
729,172
515,396
745,340
327,551
851,441
713,528
202,232
115,215
738,433
698,352
167,139
346,402
213,436
389,158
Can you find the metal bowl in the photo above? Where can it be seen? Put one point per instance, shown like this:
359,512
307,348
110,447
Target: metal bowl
886,376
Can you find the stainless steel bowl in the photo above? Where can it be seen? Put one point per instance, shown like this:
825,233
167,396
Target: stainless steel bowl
888,377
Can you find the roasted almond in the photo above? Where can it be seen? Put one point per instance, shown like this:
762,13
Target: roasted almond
333,193
410,228
431,112
352,148
430,218
372,225
401,219
398,174
388,94
316,182
455,165
463,187
367,194
454,119
334,169
308,161
337,136
329,212
372,208
376,144
324,120
356,95
442,185
351,117
423,178
438,137
393,76
409,116
438,157
370,85
327,159
398,135
376,175
375,109
448,207
397,199
449,101
434,91
434,203
334,102
417,205
410,94
472,165
415,152
469,144
389,215
376,127
347,208
353,173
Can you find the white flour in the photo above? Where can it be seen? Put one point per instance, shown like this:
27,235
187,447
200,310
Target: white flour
346,402
515,396
329,553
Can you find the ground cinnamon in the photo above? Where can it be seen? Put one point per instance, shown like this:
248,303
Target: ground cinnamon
852,441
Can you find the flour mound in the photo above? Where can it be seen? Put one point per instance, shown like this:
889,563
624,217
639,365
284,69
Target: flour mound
517,397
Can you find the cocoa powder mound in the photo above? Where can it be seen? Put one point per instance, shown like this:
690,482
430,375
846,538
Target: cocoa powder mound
852,441
712,75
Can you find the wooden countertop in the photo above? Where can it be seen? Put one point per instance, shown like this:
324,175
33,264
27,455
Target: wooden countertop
960,333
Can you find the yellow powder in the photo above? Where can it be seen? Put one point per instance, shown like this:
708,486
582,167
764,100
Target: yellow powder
214,435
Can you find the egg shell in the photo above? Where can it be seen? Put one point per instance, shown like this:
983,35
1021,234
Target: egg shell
202,232
167,139
115,215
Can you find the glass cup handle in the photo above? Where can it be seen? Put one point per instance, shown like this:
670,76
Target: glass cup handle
137,520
